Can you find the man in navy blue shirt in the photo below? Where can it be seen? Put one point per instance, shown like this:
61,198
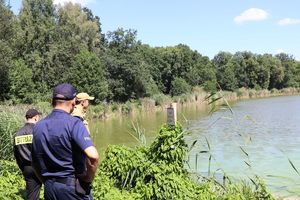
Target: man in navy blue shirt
63,154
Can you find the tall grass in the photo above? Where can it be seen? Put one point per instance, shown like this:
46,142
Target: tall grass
9,124
11,119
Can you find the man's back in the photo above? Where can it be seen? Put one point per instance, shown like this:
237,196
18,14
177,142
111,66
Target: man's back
58,138
22,145
22,152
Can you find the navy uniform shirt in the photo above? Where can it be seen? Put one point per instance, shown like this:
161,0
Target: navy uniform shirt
58,145
22,145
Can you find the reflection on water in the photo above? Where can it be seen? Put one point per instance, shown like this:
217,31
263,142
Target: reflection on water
268,130
115,131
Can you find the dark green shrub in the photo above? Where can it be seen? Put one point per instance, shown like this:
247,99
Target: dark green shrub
209,86
180,86
115,107
126,108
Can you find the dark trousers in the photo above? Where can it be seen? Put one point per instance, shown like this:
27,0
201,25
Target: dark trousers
61,191
33,184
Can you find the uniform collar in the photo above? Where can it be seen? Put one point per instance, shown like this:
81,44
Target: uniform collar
59,111
29,123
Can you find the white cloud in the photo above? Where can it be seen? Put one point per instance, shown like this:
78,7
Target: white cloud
288,21
252,14
81,2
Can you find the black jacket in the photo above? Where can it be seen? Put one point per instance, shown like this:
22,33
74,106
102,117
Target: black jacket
22,145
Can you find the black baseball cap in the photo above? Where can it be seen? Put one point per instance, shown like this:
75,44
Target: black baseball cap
32,113
64,91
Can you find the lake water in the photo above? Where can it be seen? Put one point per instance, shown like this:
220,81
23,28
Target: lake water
260,137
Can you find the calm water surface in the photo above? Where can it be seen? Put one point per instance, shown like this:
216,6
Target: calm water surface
268,130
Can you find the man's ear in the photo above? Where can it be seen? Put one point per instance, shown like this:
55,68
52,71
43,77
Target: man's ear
73,103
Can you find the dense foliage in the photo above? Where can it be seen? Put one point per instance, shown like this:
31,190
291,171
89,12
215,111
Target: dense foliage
154,172
44,45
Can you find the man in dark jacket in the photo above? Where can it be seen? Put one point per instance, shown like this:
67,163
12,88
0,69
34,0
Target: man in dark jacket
22,152
63,153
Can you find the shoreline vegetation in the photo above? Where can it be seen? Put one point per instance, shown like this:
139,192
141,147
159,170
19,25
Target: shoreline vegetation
157,103
160,102
142,172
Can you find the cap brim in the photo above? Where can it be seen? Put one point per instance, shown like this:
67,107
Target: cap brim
91,98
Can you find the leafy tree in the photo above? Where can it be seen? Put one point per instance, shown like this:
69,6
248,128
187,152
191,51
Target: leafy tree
180,61
5,59
36,45
252,69
128,75
78,28
239,64
6,52
229,81
87,75
21,84
276,71
219,62
291,70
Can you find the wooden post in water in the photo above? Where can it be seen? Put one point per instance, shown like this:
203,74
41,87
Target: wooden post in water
172,114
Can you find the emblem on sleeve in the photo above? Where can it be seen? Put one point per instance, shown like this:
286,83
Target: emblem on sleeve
23,139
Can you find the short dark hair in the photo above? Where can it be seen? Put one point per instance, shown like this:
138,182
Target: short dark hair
32,113
56,101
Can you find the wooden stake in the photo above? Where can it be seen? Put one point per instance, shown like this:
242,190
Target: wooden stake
172,114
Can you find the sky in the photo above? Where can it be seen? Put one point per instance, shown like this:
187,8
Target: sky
208,26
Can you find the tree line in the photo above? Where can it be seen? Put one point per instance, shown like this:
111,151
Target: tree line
45,44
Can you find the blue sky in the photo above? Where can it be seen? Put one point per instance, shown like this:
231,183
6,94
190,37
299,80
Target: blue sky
259,26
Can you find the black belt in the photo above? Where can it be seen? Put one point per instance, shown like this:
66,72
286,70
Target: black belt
67,181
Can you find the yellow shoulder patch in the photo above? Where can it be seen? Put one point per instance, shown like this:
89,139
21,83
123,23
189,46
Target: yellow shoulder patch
23,139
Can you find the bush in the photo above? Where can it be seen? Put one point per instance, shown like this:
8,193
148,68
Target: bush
11,183
126,108
161,99
209,86
180,86
274,91
147,104
115,107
